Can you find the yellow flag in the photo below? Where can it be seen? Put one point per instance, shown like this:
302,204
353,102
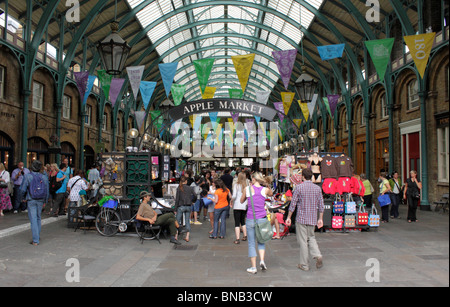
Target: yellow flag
192,119
304,108
297,122
420,48
209,92
287,98
243,65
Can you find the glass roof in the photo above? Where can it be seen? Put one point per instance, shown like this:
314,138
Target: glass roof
200,29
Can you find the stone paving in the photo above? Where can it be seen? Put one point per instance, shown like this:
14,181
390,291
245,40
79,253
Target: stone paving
409,255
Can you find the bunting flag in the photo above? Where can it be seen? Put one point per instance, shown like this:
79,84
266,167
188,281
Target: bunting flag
105,81
380,53
297,122
280,108
147,88
90,84
203,69
243,65
168,72
192,119
312,105
304,108
81,79
287,98
327,105
330,52
258,119
332,102
235,93
116,86
154,114
135,76
140,116
213,118
197,122
234,116
262,96
285,60
420,47
208,92
178,91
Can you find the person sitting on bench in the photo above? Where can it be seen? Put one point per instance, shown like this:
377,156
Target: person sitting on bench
148,214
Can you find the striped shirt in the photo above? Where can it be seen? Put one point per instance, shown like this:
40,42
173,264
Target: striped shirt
308,199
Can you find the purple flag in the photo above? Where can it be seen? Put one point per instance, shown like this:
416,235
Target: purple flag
280,108
333,101
116,86
285,60
81,78
234,116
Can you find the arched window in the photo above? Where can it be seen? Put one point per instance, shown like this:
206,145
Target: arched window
413,94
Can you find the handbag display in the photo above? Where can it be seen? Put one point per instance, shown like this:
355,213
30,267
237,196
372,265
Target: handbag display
384,200
338,207
336,222
374,218
350,221
362,217
263,231
350,205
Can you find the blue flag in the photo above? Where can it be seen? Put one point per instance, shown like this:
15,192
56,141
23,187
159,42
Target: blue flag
89,86
147,88
168,72
331,51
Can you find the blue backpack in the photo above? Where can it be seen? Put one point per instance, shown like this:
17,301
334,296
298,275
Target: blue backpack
37,187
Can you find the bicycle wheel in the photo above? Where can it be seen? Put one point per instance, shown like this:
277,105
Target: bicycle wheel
107,222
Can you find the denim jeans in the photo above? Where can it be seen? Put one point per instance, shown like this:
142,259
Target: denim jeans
18,204
251,237
220,214
34,215
186,212
395,202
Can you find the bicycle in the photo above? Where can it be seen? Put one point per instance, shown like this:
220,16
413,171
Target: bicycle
110,219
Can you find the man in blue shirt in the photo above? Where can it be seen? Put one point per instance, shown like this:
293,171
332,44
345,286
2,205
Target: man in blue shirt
17,178
35,205
60,199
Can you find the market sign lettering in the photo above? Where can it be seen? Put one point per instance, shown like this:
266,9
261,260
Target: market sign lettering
222,105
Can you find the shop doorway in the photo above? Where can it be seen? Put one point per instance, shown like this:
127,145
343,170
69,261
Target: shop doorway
68,151
37,150
410,132
89,156
6,151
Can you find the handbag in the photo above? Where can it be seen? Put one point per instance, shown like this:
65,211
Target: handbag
349,221
338,205
350,205
384,200
362,217
374,218
336,222
263,231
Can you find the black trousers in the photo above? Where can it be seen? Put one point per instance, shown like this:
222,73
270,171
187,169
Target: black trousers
412,207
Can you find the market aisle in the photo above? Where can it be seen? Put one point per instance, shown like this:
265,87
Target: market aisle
408,255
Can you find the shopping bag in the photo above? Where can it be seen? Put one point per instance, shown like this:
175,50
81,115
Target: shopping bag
384,200
362,217
374,218
350,205
338,207
336,222
349,221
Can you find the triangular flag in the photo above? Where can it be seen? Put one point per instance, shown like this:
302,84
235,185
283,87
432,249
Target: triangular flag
147,88
90,84
333,102
197,122
81,79
327,105
105,81
380,52
330,52
312,105
258,119
285,60
420,47
114,90
213,118
297,122
280,108
135,76
304,108
140,116
208,92
203,69
287,98
178,91
262,96
243,65
235,93
154,114
234,116
168,72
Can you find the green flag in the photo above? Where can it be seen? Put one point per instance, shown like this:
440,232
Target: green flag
235,93
380,52
105,81
325,101
177,91
203,68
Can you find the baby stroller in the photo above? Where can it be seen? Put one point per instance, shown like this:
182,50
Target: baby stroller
279,218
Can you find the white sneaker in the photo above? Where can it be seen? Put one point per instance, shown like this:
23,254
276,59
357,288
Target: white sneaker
263,266
252,270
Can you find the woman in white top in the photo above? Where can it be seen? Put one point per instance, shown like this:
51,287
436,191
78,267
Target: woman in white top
5,199
239,209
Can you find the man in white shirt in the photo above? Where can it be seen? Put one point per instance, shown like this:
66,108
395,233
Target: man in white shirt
74,186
